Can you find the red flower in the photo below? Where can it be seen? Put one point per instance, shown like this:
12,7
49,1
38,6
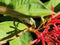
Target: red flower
52,37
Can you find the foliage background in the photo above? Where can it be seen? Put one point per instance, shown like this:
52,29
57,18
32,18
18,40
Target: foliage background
26,37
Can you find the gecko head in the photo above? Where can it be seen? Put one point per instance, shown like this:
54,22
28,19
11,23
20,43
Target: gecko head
29,21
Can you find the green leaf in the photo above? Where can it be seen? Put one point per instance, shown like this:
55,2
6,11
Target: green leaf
5,2
51,3
8,26
30,7
24,39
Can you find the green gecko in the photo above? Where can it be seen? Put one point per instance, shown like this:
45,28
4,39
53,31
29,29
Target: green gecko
10,12
26,9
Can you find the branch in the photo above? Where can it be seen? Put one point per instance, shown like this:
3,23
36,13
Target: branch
13,37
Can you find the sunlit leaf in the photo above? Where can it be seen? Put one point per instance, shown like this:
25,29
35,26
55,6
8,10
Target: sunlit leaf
51,3
22,40
29,7
8,26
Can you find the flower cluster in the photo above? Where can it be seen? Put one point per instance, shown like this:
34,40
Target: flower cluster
51,33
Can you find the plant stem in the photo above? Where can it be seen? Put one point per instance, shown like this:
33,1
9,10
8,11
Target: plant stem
13,37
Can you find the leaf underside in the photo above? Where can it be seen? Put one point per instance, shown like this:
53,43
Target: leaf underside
28,7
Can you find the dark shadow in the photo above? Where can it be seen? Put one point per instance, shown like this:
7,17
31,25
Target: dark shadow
44,1
6,43
57,8
3,4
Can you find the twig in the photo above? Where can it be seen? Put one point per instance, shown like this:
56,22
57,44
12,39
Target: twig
8,39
